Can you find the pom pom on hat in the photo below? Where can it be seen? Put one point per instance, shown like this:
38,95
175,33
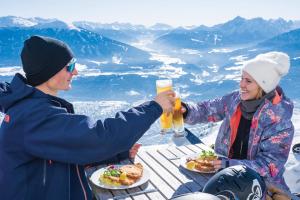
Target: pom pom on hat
267,69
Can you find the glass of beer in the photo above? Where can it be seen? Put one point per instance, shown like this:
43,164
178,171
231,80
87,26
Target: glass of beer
178,124
165,119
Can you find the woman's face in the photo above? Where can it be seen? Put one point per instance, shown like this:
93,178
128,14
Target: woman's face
249,89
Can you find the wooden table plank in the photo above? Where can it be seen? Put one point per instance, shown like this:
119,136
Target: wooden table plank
154,195
165,190
175,170
101,194
176,151
202,146
195,148
196,177
166,176
168,154
186,150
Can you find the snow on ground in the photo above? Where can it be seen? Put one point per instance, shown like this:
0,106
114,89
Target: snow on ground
291,175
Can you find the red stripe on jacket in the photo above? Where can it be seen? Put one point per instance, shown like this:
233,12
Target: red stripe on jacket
236,118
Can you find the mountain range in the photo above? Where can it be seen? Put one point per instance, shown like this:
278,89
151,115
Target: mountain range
232,33
114,43
125,32
85,45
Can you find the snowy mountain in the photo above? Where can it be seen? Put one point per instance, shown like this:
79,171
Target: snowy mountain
12,21
124,32
110,26
234,32
258,26
160,26
289,41
192,48
121,32
85,45
296,24
55,24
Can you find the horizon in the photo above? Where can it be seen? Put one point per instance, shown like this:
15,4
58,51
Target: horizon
147,26
175,13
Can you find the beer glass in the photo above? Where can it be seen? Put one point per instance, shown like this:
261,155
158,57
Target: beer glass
165,120
178,124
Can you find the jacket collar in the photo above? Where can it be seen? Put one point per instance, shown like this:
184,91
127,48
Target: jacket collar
12,93
18,90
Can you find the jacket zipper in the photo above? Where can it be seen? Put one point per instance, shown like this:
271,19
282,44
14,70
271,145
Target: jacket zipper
241,148
78,173
69,183
261,108
45,173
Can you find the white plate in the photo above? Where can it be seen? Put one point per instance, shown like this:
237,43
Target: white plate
183,164
96,175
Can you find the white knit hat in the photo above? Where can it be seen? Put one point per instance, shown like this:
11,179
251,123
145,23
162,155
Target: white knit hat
267,69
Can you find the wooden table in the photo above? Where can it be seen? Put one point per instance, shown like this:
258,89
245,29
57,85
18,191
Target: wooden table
170,180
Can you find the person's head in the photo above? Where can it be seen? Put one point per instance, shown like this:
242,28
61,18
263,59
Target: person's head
262,74
48,63
236,183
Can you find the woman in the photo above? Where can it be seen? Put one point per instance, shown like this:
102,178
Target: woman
257,130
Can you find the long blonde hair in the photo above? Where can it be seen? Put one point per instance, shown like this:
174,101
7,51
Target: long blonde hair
260,93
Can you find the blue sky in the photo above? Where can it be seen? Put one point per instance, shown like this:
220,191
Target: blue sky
149,12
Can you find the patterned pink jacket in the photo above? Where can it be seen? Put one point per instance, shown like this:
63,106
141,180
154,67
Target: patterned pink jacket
270,136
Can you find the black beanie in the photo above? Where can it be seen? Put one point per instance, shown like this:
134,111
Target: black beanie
42,57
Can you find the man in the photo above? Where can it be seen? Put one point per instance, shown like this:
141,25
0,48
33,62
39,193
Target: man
43,144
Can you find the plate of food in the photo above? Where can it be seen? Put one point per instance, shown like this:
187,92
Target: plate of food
199,162
120,176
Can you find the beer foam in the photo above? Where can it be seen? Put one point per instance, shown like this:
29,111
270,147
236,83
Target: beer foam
164,83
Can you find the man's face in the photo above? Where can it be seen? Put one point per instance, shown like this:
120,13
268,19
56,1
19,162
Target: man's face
62,80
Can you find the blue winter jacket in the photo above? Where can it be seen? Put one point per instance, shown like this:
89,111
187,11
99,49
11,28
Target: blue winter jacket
44,145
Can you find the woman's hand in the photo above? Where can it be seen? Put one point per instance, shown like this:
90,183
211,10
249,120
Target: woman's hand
134,150
183,109
217,164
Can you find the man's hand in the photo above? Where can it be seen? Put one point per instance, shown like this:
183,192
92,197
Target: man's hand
166,100
275,193
134,150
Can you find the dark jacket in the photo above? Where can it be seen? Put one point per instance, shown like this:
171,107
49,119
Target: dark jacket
44,146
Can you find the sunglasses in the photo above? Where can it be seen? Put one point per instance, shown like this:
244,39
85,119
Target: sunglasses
71,65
